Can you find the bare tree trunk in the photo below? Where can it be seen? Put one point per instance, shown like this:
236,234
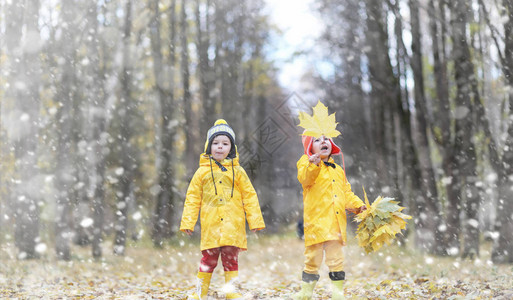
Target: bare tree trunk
380,82
453,190
465,151
165,195
441,127
427,180
2,158
503,248
187,99
394,123
408,166
220,52
161,209
224,58
98,203
443,109
248,97
24,69
206,73
502,251
66,116
2,142
352,79
171,124
98,134
233,103
386,89
125,109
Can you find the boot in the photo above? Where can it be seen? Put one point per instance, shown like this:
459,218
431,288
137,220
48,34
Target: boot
307,287
231,278
337,283
202,285
337,290
306,291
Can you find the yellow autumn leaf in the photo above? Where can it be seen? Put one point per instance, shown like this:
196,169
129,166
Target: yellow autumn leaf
382,230
376,245
362,238
403,216
157,283
396,224
319,123
386,282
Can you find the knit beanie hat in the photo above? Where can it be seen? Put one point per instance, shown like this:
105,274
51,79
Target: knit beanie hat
220,127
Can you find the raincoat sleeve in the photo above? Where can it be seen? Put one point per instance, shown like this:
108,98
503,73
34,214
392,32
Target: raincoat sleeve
353,202
306,171
250,202
192,204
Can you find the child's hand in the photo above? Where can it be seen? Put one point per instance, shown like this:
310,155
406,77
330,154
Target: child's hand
188,231
315,159
357,210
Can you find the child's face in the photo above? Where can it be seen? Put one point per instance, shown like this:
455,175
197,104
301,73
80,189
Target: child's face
322,146
221,146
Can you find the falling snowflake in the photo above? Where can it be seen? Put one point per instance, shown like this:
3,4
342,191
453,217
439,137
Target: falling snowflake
87,222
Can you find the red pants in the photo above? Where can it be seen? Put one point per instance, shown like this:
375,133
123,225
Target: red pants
229,257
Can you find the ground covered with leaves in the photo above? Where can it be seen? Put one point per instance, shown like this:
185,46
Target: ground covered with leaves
271,269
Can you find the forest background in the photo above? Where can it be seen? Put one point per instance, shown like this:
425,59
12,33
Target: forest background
105,105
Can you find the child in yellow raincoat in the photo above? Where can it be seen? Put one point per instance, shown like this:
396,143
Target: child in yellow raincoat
222,191
326,197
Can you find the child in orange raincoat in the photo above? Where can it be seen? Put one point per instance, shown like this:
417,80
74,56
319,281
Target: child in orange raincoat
222,191
326,197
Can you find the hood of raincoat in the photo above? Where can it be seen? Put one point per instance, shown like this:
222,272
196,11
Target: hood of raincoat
224,198
308,141
326,196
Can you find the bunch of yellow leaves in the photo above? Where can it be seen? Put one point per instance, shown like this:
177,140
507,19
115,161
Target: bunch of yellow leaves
379,223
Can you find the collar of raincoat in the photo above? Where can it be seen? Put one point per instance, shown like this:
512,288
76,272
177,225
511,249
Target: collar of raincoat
331,160
205,161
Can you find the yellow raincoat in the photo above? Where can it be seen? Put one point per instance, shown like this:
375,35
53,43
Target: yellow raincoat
326,196
223,216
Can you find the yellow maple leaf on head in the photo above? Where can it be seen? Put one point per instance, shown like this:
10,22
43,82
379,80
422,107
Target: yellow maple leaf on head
319,123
